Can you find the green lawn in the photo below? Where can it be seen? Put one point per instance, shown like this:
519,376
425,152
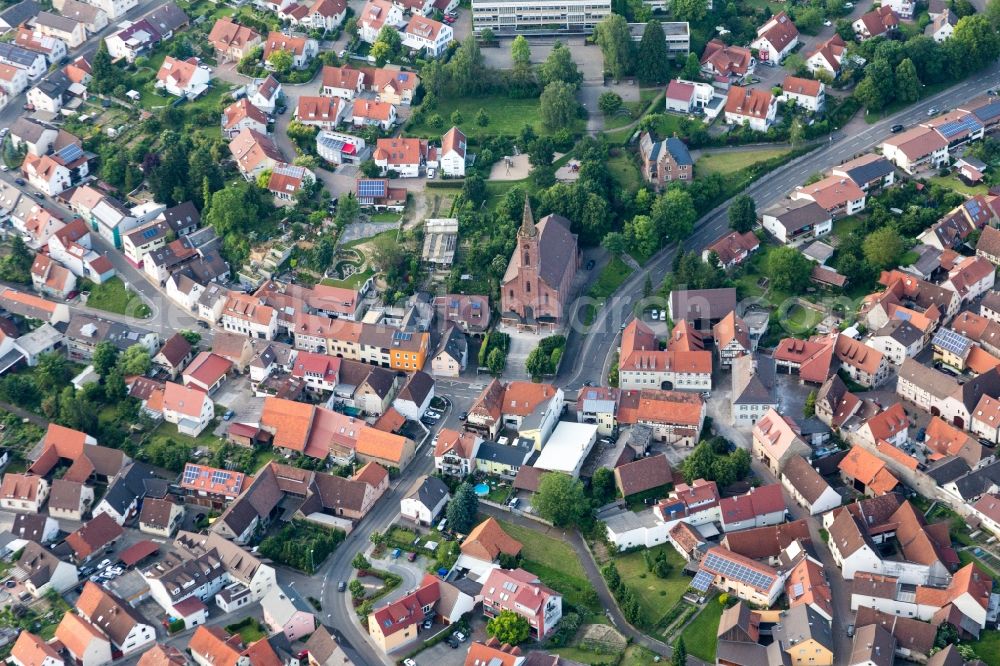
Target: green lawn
112,296
988,647
612,275
624,172
954,183
701,636
507,116
733,160
352,282
589,657
843,227
206,440
636,655
250,630
965,557
656,595
552,560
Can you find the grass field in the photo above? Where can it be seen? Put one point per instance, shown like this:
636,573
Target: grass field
612,275
734,160
656,595
953,182
552,560
112,296
965,557
843,227
624,172
250,630
988,647
700,637
206,440
515,114
352,282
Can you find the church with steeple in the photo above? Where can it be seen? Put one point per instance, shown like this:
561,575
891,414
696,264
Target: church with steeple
537,288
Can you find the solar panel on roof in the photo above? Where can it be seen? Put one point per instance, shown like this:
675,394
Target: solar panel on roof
956,127
371,188
190,474
951,341
149,233
71,152
737,571
220,477
702,580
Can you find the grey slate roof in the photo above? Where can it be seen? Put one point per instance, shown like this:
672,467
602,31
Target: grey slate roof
866,173
500,453
453,343
55,85
17,55
27,129
17,14
800,623
57,22
137,480
901,331
678,151
167,18
947,469
753,380
430,492
795,215
975,483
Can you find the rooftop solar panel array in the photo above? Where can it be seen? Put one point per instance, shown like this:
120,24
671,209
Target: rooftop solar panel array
955,127
702,581
952,342
71,153
737,571
371,188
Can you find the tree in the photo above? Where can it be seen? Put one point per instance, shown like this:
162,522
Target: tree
789,269
281,61
114,387
520,53
883,248
992,13
389,36
651,63
482,118
976,42
907,83
357,589
692,67
609,103
743,213
614,243
602,485
674,214
361,562
690,10
678,656
462,509
876,89
613,36
809,20
509,627
51,371
797,132
105,357
347,209
496,361
134,361
192,337
104,74
560,500
558,105
538,363
809,409
456,117
559,66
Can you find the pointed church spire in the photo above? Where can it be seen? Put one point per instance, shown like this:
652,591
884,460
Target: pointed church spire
527,229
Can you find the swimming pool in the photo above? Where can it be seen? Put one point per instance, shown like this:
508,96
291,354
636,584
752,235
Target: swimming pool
482,489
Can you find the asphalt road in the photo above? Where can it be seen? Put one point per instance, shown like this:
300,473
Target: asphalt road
593,347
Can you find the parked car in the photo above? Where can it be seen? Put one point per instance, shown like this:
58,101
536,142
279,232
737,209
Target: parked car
463,416
409,662
19,181
428,623
341,586
896,129
460,636
590,265
654,315
228,415
453,642
411,557
203,324
396,553
827,23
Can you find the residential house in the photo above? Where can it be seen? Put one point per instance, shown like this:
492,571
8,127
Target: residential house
942,26
799,218
807,488
642,364
255,153
452,354
863,364
642,475
776,441
134,39
898,340
396,624
451,156
599,405
285,611
876,23
665,161
732,249
754,393
13,80
971,278
323,112
69,500
739,576
51,279
128,631
827,56
287,180
391,85
870,172
265,94
374,15
427,36
867,473
455,452
889,425
161,517
44,571
675,417
916,149
32,650
406,156
189,408
175,353
33,63
729,63
753,107
366,112
85,643
415,396
18,13
523,593
426,502
232,41
836,195
776,39
183,78
63,27
688,96
23,492
93,537
210,487
302,49
342,82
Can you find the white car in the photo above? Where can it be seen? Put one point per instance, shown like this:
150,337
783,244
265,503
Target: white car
409,662
827,23
654,315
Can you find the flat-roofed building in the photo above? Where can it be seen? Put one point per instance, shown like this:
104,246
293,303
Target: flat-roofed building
517,16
